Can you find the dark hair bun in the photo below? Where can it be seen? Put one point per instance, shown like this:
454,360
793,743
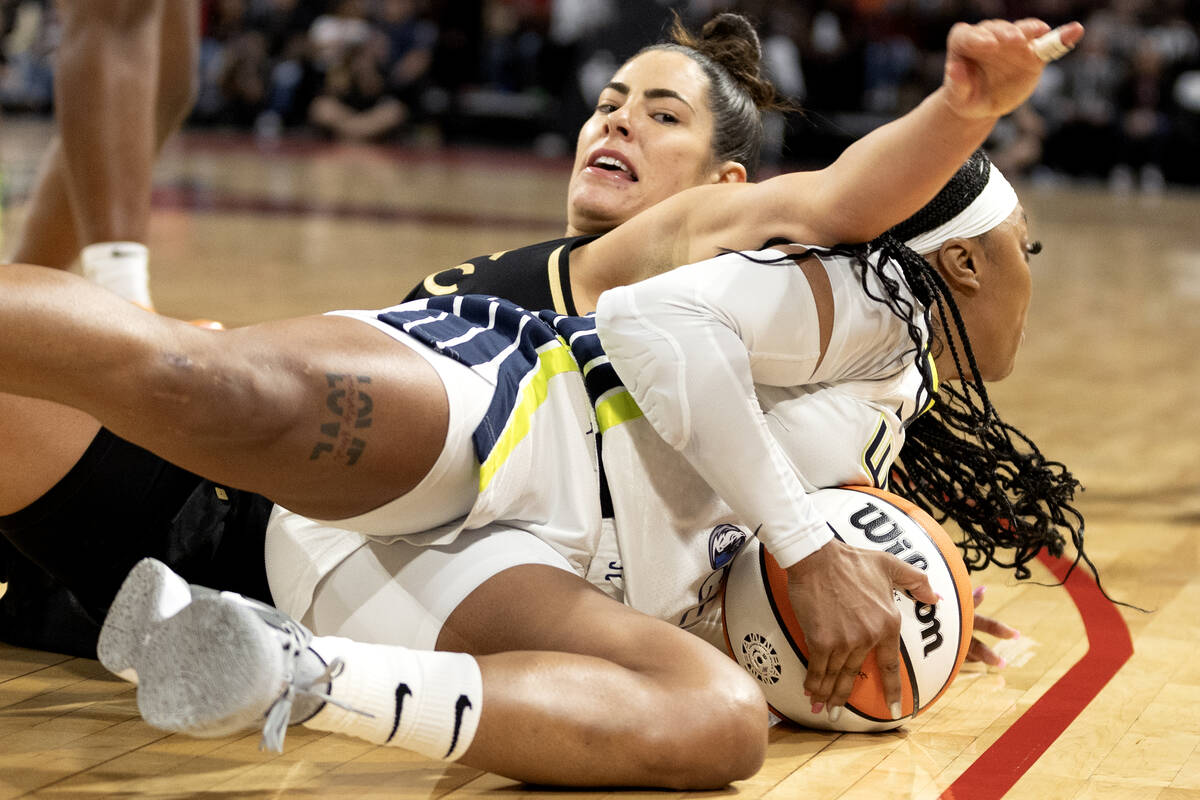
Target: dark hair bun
735,27
731,41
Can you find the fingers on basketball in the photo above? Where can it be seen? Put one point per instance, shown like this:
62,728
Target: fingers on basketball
764,636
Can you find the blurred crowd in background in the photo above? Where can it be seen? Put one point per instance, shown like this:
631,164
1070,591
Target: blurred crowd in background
1124,109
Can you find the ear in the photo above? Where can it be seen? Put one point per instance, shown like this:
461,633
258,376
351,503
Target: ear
730,172
957,261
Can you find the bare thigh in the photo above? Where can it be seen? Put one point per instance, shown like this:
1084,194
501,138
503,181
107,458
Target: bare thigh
535,607
625,698
325,415
39,443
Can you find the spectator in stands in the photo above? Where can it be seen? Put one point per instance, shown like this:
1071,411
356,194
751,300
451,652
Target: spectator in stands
29,35
411,38
292,78
1082,111
354,103
1144,126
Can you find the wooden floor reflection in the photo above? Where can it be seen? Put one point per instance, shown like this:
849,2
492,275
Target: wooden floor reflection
1107,383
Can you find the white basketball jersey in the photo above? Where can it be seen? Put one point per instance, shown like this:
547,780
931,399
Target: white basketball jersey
715,410
741,421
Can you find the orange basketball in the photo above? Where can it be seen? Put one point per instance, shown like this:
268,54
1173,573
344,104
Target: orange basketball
763,635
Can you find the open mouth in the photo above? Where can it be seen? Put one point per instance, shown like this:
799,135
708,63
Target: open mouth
612,163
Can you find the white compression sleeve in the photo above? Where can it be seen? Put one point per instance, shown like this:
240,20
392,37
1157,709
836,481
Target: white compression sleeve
686,344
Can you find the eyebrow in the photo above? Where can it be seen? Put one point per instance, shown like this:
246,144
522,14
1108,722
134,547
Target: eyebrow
650,94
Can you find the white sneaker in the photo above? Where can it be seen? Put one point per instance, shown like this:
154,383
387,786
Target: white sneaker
214,664
150,593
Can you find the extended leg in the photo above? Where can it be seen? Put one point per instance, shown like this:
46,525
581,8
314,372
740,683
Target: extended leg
576,688
322,414
144,53
580,689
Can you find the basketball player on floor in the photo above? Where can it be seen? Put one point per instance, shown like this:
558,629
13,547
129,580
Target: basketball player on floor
591,653
18,300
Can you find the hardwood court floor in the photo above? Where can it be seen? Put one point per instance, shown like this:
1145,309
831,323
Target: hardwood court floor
1107,383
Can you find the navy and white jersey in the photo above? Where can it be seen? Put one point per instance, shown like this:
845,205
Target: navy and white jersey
743,416
716,408
518,352
553,391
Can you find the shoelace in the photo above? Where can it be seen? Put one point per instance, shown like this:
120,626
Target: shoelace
280,713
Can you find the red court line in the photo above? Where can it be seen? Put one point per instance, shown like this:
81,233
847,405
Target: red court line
1109,647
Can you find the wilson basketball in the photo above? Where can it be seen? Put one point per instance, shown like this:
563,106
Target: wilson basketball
763,635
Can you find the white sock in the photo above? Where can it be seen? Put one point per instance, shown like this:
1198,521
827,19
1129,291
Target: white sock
121,267
424,701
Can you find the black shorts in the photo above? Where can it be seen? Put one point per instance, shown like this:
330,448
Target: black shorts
117,505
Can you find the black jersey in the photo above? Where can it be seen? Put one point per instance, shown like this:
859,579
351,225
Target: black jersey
536,277
65,555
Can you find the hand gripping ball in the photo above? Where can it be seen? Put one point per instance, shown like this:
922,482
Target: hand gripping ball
763,635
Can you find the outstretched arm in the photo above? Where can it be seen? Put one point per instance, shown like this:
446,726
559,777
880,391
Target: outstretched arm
879,181
887,176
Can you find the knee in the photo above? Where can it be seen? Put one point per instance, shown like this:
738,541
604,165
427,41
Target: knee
736,743
716,742
210,378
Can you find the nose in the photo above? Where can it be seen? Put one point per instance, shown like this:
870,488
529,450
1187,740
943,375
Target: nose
618,122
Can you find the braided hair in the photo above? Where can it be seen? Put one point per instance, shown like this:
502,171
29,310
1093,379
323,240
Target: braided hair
960,460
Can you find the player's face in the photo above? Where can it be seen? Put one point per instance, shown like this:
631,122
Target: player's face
649,137
1001,306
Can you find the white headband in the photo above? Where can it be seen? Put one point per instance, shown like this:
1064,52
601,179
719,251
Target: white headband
993,205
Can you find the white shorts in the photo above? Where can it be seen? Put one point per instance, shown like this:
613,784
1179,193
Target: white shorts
450,488
401,593
342,578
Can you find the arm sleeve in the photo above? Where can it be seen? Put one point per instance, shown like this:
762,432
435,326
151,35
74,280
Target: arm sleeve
687,344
